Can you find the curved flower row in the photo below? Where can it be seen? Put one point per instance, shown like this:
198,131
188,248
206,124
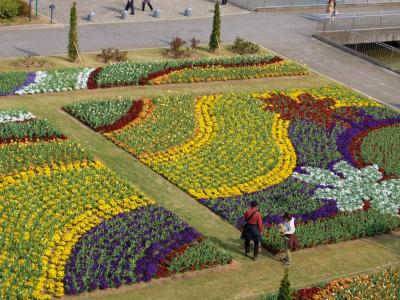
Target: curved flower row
52,194
159,130
65,239
378,285
222,73
282,169
55,81
145,111
135,73
204,133
41,202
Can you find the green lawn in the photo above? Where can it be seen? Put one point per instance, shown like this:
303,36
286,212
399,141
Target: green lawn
243,279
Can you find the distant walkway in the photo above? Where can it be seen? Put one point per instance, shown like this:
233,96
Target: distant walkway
109,11
283,31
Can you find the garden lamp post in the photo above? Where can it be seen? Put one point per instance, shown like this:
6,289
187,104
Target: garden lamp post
30,10
52,7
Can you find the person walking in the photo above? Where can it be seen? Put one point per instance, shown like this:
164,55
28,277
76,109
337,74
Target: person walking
252,229
148,3
291,240
331,9
223,2
129,5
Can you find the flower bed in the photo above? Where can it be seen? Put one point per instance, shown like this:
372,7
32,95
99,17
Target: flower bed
289,150
135,73
382,284
56,200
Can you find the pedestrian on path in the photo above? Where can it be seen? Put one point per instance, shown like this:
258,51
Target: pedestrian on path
331,9
252,229
291,240
129,5
224,2
148,3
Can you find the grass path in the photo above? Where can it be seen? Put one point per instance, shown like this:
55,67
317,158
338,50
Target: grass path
247,277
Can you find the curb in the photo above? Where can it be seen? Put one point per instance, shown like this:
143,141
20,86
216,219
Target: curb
31,27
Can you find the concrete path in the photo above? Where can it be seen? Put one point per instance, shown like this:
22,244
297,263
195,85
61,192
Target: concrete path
109,11
283,31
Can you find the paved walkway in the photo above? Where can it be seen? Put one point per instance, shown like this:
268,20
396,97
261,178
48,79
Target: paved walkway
283,31
109,11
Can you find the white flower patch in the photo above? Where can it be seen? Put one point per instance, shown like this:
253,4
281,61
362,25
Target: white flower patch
83,76
39,77
8,116
58,81
354,187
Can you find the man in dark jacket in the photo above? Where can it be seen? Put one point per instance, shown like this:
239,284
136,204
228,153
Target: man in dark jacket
129,5
252,229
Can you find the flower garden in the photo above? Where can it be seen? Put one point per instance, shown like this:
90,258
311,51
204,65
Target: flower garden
383,284
69,224
328,155
153,72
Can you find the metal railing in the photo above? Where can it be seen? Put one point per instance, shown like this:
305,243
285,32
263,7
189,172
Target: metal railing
377,52
345,22
260,4
380,52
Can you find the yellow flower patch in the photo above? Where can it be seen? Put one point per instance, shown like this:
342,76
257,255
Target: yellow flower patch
44,211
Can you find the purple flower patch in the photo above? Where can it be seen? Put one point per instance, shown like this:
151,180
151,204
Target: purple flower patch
125,249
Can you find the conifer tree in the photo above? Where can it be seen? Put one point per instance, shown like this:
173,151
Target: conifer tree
73,34
284,289
215,37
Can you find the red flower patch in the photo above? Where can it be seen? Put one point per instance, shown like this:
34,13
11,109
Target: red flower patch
92,83
318,111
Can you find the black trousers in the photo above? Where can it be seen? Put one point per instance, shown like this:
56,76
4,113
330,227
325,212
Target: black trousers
144,4
129,5
223,2
247,247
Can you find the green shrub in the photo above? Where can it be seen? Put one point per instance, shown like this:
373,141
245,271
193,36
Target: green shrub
215,37
73,49
9,9
241,46
23,8
284,290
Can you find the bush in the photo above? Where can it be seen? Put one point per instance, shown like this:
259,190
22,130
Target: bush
215,37
175,47
23,8
284,289
241,46
73,48
113,54
9,9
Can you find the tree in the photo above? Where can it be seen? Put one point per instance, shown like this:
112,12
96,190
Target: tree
73,35
284,289
215,36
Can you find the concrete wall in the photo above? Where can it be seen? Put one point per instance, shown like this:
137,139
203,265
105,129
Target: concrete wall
362,36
